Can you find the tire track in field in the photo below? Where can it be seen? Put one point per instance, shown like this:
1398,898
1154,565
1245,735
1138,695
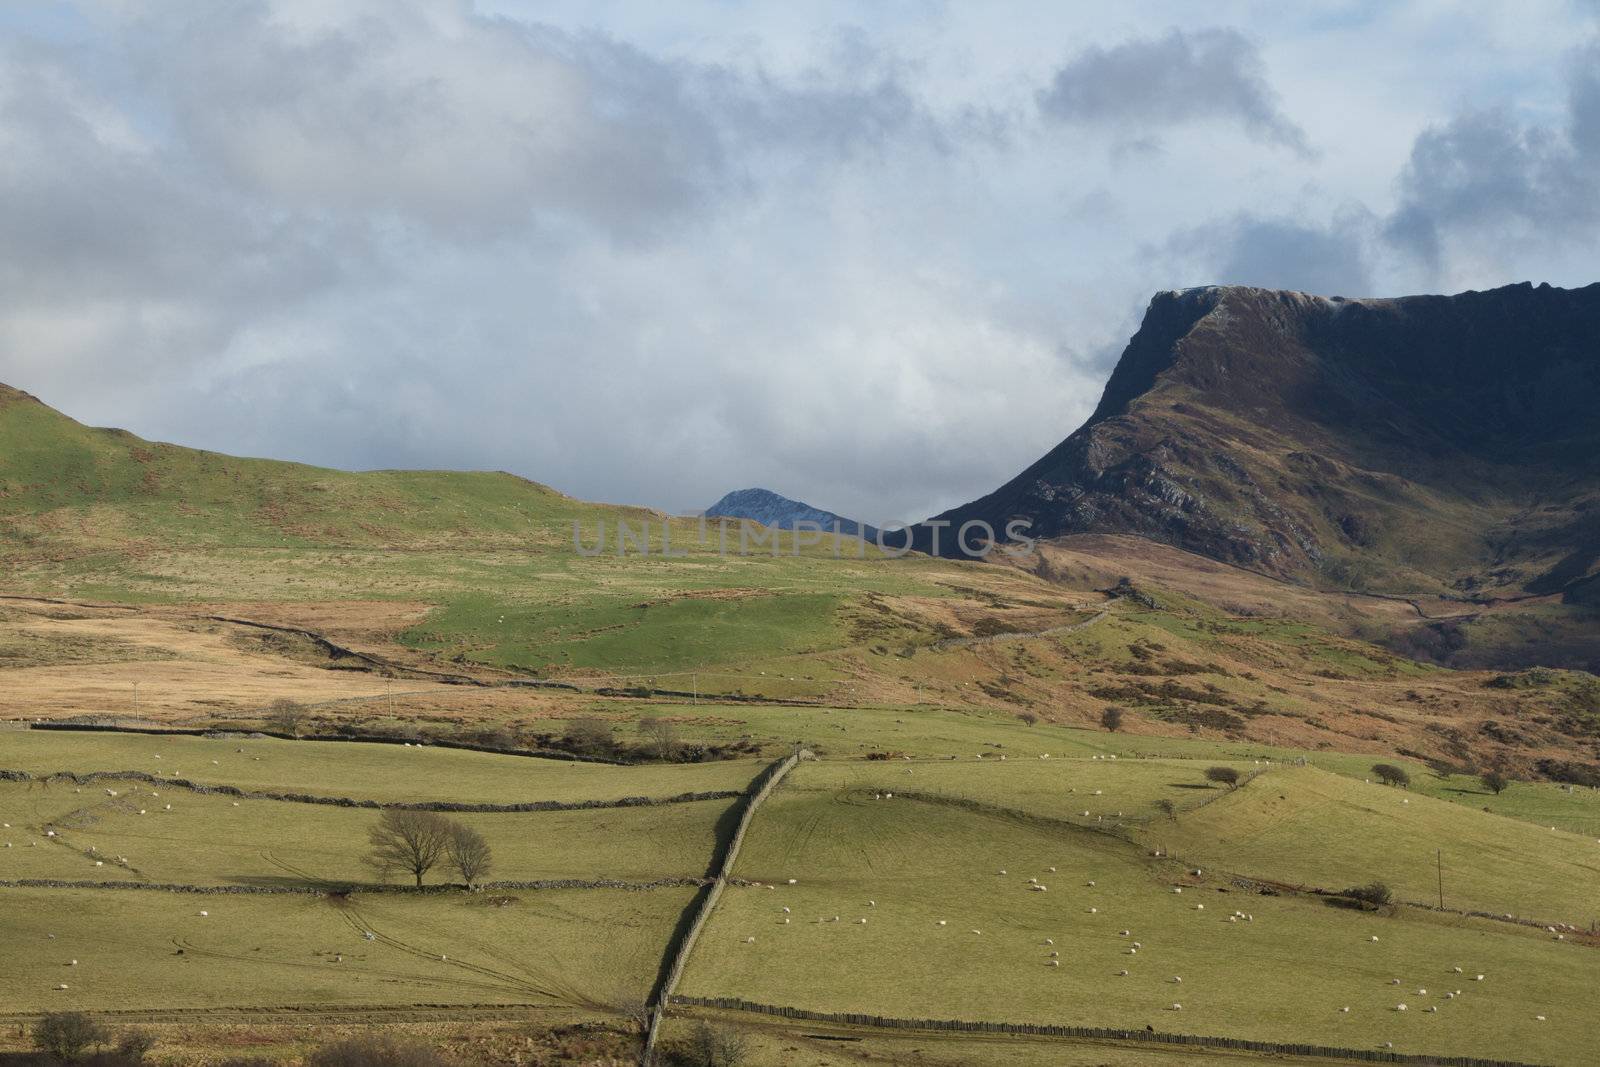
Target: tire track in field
353,916
189,948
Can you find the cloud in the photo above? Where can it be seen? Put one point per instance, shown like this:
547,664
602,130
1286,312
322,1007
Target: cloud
1486,179
1152,83
1281,253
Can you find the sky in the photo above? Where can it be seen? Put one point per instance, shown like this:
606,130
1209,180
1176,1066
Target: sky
877,255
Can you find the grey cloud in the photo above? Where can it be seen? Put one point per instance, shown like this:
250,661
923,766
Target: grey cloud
1281,253
1488,179
472,125
1210,74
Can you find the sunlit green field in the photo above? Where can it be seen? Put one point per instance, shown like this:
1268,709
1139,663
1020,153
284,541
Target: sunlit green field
360,770
905,866
149,949
209,840
1309,827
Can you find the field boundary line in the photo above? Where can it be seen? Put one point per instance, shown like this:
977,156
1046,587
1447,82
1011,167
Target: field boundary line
468,807
760,790
883,1022
335,887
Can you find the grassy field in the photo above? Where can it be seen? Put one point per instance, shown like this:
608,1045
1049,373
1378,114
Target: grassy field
212,840
362,771
474,578
148,950
924,863
1306,826
1110,791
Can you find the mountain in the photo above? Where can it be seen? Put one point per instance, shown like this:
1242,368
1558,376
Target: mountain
1432,444
771,509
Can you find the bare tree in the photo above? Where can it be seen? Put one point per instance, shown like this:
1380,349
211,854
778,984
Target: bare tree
1495,780
468,853
660,738
634,1006
591,736
1111,719
717,1046
284,716
410,841
1167,808
1223,776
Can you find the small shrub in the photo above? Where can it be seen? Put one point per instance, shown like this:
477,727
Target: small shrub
717,1046
1389,774
135,1045
1373,895
67,1035
591,736
1029,718
1111,719
1495,780
1167,808
1223,776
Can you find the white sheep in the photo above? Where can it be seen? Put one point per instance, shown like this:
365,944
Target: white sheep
1122,974
1401,1007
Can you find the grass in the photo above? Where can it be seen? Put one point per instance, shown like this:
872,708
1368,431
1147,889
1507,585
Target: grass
1112,791
149,950
362,770
207,840
923,862
628,635
1310,827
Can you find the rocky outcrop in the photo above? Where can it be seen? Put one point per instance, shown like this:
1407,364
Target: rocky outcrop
1432,442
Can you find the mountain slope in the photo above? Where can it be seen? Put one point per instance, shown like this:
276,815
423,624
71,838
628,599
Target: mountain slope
1431,443
64,484
771,509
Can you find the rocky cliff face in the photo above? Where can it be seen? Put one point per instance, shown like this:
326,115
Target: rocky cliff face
1433,442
